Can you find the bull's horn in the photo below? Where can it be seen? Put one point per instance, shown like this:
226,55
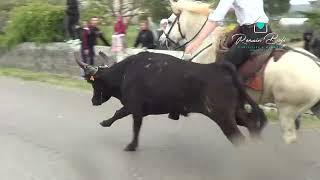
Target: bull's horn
86,67
110,61
80,63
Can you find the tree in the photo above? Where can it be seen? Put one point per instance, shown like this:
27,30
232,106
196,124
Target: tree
157,9
313,18
276,7
129,8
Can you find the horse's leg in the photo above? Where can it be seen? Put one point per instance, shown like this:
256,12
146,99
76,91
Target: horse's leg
121,113
137,122
289,112
297,122
287,116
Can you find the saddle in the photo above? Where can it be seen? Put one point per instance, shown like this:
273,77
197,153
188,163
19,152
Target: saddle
252,71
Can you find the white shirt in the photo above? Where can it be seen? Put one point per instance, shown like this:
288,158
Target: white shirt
247,11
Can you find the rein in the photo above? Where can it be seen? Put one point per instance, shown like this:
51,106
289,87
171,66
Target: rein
315,59
177,20
193,36
198,52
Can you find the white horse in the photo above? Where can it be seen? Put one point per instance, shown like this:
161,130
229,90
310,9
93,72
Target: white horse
292,83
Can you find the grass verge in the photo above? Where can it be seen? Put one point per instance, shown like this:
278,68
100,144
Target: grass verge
54,79
309,121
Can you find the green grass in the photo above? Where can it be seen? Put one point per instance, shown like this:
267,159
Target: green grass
54,79
309,121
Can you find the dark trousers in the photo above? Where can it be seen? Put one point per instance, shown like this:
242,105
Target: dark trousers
241,52
70,25
90,58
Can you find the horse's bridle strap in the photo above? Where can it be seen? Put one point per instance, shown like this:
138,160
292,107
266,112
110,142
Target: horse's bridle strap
193,36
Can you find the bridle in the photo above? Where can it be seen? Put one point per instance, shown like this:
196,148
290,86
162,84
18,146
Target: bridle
177,20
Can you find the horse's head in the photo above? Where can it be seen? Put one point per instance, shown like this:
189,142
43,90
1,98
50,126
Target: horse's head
187,19
171,36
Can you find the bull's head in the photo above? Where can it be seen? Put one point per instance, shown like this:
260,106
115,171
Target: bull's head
96,77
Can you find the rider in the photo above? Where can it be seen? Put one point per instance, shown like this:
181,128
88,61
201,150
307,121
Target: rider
253,25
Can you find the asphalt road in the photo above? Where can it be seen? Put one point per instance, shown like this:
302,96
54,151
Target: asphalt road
51,133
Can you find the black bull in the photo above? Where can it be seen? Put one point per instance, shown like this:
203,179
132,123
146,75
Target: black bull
151,83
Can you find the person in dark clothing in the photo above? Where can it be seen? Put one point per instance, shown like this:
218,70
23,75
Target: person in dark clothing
145,37
89,40
307,37
72,18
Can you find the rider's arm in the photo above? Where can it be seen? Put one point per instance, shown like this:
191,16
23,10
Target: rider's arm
207,29
221,11
216,16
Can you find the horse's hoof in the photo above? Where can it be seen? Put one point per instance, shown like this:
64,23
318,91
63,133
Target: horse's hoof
290,139
130,147
173,116
106,123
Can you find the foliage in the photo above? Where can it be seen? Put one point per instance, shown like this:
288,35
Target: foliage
34,22
276,7
62,80
314,18
157,9
95,8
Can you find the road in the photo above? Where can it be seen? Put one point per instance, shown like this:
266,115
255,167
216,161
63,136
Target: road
52,133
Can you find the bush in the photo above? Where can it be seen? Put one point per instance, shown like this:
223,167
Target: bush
34,22
314,18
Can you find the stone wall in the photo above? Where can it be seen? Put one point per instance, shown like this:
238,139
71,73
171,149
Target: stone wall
56,57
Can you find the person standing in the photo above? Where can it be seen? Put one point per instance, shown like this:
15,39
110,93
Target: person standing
253,23
162,28
120,26
307,37
72,19
118,37
89,40
145,37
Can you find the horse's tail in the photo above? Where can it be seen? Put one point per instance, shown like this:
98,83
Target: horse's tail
256,111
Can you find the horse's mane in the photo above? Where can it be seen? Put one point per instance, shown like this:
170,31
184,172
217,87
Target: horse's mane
219,34
193,6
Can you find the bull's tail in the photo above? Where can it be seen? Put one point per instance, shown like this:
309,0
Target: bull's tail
256,111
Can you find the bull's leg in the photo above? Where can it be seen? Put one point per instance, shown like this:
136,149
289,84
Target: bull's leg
137,122
226,121
121,113
243,118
